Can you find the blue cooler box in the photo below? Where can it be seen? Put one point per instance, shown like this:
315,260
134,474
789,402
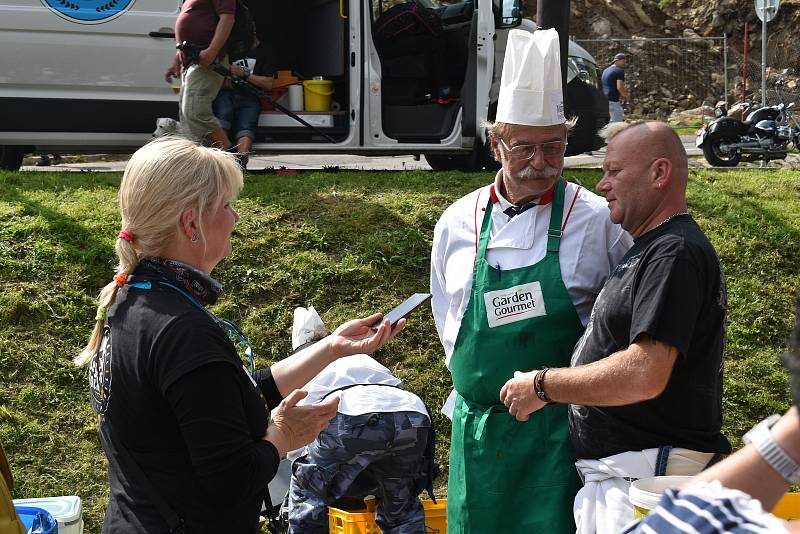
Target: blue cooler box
66,510
37,520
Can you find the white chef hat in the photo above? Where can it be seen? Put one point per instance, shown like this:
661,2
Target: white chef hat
530,87
307,326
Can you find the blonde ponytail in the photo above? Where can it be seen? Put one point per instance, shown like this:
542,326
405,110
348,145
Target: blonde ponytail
162,180
128,260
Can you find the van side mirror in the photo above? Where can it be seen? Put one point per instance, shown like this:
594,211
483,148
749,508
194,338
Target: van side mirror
507,14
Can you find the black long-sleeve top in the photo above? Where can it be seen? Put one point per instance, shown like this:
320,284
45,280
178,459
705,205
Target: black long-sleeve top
173,393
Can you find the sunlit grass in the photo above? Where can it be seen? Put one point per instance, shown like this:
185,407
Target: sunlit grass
348,243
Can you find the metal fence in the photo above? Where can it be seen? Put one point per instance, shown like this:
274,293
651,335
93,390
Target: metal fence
744,68
666,74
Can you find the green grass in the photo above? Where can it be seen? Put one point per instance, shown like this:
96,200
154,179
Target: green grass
348,243
685,130
687,127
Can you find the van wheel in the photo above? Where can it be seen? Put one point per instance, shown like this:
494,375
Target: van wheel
11,157
478,159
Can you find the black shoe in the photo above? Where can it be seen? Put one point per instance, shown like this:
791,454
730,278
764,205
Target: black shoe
44,161
242,158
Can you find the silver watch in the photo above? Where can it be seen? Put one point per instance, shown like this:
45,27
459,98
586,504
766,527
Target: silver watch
761,438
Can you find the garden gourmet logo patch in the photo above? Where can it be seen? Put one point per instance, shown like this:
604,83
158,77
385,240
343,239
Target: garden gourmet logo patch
514,304
88,11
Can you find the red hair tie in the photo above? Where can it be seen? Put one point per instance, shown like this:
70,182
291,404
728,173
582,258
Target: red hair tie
120,279
127,236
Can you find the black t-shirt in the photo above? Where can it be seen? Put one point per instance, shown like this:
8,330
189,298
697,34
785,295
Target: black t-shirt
609,80
669,286
265,61
172,391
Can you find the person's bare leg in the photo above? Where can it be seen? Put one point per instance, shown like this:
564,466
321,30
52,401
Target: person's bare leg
245,144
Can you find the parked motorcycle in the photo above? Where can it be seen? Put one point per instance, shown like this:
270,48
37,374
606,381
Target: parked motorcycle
764,135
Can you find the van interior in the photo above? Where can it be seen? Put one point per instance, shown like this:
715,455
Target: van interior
309,39
424,52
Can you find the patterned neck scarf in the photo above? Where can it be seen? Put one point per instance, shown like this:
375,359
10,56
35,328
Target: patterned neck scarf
195,282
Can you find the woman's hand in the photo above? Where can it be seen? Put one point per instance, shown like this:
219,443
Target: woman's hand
295,426
358,336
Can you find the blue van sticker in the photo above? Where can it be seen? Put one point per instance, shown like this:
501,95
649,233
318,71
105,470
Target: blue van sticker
89,11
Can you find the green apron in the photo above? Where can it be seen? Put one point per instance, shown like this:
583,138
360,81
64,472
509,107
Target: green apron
507,476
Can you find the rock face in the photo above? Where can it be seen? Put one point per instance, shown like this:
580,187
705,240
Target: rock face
666,78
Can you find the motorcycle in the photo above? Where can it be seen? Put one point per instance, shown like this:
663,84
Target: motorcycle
764,135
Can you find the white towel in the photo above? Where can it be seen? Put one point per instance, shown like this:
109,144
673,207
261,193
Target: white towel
602,505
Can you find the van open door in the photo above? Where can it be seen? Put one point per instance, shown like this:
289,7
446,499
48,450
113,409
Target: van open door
314,46
428,77
480,74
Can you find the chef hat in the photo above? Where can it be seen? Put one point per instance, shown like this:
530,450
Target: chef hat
530,87
307,326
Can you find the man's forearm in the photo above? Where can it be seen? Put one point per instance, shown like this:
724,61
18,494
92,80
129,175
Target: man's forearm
625,377
221,33
262,82
623,91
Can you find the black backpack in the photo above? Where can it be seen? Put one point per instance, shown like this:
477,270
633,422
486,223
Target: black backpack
243,35
407,19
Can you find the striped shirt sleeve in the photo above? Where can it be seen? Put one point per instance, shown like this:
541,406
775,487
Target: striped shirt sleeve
707,509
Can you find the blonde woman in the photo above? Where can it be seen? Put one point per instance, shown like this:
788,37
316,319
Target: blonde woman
185,426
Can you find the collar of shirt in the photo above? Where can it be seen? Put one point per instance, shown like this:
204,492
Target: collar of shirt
504,204
517,232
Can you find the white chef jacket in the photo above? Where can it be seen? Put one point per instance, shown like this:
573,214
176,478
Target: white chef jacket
358,400
590,247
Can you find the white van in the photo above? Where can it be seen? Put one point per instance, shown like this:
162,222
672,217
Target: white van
87,76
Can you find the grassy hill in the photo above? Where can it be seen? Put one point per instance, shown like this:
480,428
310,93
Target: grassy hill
348,243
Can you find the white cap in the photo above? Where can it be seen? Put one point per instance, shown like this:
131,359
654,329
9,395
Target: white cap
530,87
307,326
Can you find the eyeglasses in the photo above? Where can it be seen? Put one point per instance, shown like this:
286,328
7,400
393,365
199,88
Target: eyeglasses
526,152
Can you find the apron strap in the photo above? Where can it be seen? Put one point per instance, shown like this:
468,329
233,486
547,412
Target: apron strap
484,411
554,231
486,232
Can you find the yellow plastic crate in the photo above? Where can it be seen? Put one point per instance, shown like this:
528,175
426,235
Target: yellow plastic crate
788,507
350,519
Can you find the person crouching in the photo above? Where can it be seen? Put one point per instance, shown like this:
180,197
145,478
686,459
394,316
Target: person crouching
379,443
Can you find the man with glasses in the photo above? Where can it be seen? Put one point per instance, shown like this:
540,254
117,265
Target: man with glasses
515,269
645,386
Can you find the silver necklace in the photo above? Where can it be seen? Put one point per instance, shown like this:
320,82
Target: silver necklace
668,219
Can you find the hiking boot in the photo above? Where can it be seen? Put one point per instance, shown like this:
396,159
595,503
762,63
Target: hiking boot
44,161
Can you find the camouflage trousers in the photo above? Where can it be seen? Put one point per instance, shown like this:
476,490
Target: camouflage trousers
375,453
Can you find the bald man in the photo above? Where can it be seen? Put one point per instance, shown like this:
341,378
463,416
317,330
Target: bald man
645,384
